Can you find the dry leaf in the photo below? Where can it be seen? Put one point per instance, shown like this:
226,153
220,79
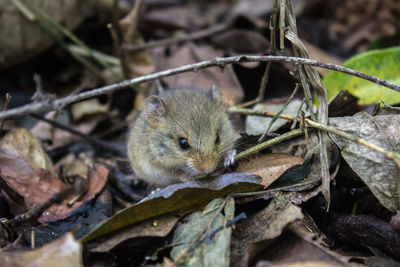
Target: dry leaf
205,236
269,166
64,252
22,162
377,172
225,81
155,227
264,225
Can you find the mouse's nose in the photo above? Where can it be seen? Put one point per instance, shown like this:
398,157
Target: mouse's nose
206,165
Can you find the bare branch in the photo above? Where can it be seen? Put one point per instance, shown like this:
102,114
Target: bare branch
50,104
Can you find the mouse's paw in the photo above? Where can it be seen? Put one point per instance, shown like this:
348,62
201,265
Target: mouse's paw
230,158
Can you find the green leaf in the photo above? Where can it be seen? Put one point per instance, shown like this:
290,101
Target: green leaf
384,63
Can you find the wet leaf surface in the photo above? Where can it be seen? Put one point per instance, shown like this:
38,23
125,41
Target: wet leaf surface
177,197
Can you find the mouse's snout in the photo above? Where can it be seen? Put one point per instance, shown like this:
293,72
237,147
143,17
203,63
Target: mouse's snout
204,164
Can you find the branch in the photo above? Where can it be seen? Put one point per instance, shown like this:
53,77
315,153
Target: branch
257,148
49,105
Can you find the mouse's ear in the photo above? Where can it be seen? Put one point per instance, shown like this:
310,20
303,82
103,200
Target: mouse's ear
155,111
216,95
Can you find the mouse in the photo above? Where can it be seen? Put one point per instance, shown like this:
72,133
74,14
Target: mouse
181,134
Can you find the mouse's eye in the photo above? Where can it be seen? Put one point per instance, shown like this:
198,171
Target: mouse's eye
217,140
183,143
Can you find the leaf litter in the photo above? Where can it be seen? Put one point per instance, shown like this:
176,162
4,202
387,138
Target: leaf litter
200,222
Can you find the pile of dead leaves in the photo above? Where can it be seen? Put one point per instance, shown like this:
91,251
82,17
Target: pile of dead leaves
69,198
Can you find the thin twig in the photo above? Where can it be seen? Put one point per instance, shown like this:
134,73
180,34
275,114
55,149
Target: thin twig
391,155
5,108
272,37
38,210
264,136
83,52
298,114
268,143
24,10
49,105
291,187
90,139
282,12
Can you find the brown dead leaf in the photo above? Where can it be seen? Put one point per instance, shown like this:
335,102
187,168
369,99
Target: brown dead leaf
301,264
320,55
307,229
23,165
21,143
264,225
35,185
241,41
251,8
58,137
75,165
97,181
375,170
293,251
269,166
225,81
179,17
156,227
64,252
395,221
89,107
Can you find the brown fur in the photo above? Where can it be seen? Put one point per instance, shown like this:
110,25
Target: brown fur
153,147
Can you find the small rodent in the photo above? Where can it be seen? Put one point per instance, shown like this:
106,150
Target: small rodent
181,133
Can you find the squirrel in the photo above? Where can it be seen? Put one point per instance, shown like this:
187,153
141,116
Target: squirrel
179,135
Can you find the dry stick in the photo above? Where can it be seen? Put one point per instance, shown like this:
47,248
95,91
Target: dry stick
90,139
298,114
282,25
190,37
24,10
48,105
291,187
268,143
391,155
8,99
264,136
309,76
265,77
272,32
